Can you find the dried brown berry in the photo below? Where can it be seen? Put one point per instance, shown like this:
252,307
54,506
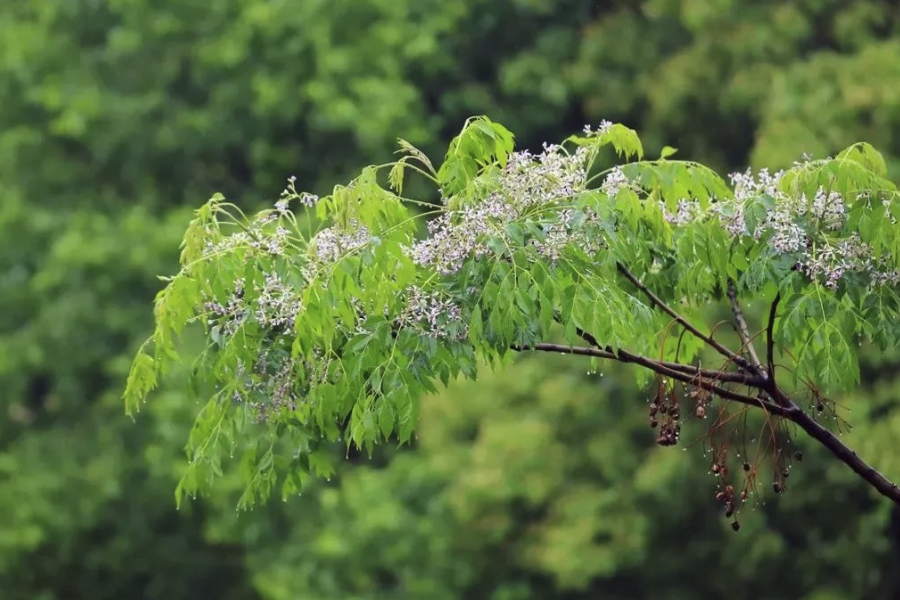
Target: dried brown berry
785,473
653,409
777,487
736,526
746,467
654,422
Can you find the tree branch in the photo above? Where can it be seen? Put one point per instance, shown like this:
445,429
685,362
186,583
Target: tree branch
689,369
738,359
783,405
840,450
743,330
655,366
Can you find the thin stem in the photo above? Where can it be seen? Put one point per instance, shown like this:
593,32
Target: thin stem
740,360
676,366
770,338
626,357
743,330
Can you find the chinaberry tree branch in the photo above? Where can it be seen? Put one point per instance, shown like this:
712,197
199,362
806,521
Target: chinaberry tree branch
742,329
783,405
770,338
719,375
792,413
738,359
655,366
868,473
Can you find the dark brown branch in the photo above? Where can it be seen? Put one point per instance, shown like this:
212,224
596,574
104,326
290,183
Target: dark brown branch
563,349
688,369
792,413
739,360
627,357
845,454
742,329
755,377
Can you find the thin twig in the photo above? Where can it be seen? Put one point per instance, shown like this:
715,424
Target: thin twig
718,375
770,338
627,357
740,360
743,330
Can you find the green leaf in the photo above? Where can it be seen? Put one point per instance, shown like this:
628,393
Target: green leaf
142,379
667,151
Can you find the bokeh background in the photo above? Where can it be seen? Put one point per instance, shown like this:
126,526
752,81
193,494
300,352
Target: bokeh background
118,117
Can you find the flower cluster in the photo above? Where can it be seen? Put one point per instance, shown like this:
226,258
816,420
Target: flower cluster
850,255
290,193
257,236
553,174
277,304
828,208
270,385
433,315
614,181
578,228
746,186
785,235
528,181
797,225
688,211
602,128
455,236
231,316
332,243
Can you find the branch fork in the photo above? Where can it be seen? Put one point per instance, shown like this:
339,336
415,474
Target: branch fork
750,373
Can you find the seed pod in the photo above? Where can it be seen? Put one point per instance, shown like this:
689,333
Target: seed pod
736,526
746,467
720,496
654,422
716,468
798,456
654,407
729,511
785,473
700,412
777,487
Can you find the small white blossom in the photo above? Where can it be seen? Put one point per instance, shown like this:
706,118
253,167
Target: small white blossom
613,182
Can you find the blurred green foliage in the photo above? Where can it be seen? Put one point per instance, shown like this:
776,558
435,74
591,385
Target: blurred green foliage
119,116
